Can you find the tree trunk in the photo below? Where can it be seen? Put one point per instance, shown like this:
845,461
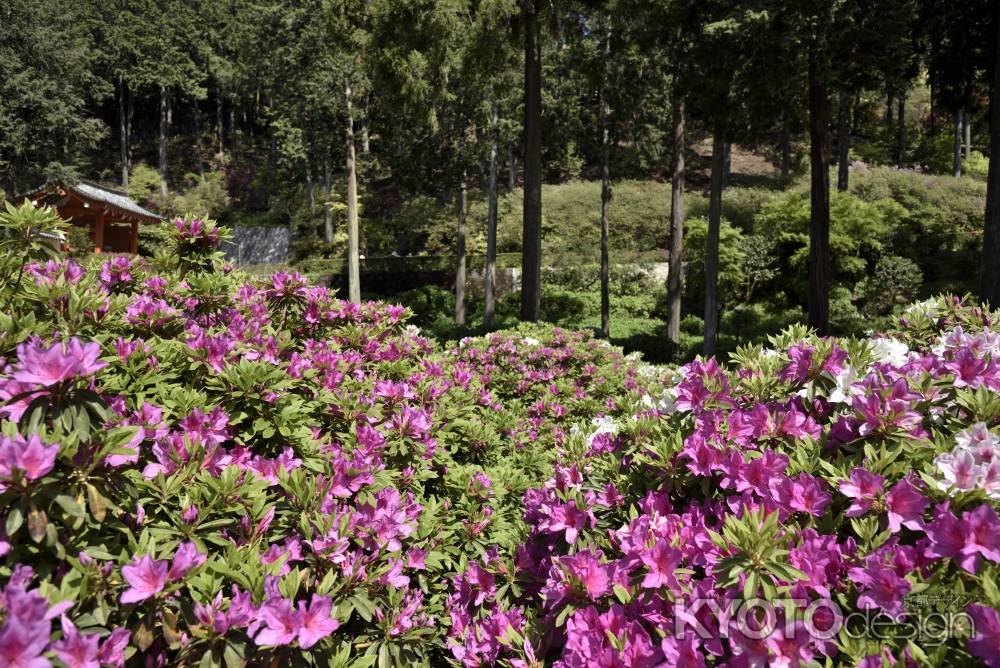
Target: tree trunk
844,142
197,141
311,192
531,255
933,107
164,129
888,110
712,246
463,210
353,259
786,150
123,129
727,164
511,167
901,128
219,131
491,227
991,229
131,126
956,164
310,188
967,125
819,219
327,207
605,195
675,270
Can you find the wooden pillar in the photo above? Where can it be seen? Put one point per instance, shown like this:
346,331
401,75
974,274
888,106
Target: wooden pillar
133,246
99,233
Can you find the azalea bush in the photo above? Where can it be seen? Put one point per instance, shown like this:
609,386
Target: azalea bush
820,501
202,468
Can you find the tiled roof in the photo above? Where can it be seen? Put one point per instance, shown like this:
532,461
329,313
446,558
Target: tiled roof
115,198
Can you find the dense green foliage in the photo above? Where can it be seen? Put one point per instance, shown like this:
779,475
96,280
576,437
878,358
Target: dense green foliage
241,110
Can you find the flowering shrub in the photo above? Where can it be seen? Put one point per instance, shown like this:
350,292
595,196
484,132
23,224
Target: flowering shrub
822,501
199,468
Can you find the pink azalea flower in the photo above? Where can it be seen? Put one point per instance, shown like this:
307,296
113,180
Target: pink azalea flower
56,363
75,649
586,569
801,361
881,588
985,643
569,518
789,651
864,487
30,456
186,558
22,643
411,422
283,623
146,578
395,575
317,622
112,651
981,529
967,540
906,506
804,494
682,652
662,562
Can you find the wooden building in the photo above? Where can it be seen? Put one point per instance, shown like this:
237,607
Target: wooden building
112,216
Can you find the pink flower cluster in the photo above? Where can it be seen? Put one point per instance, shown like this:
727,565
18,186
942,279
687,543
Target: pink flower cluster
608,595
26,631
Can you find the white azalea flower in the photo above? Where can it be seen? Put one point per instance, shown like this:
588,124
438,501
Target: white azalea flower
928,308
980,441
604,425
647,371
842,392
666,403
890,351
960,470
530,341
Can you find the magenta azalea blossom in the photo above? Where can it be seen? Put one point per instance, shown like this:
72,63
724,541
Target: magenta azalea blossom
46,366
967,540
75,649
906,506
317,622
864,487
30,456
881,588
186,558
662,562
146,578
112,650
282,623
569,518
21,644
985,643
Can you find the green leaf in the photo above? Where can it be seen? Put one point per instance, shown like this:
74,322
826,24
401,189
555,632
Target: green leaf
37,524
233,655
364,606
15,518
69,504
